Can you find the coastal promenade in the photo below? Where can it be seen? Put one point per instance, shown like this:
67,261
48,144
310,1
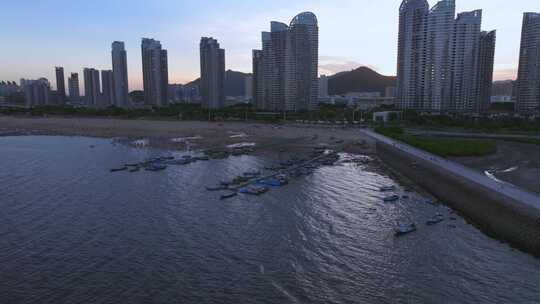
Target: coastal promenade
502,188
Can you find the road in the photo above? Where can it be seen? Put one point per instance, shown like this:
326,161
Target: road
503,188
418,132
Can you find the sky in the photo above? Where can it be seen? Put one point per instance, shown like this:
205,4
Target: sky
37,35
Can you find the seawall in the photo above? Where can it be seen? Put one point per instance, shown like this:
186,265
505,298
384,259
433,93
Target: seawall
496,214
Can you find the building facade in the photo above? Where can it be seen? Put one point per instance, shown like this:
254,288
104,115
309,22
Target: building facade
120,74
486,60
92,90
528,82
73,85
212,86
411,53
302,64
465,55
107,87
445,64
155,73
286,69
440,30
258,79
60,86
36,92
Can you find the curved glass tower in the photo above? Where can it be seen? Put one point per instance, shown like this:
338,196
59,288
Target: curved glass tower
302,61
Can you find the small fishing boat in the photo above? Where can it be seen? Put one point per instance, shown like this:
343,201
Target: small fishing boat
403,229
387,188
229,195
119,169
253,190
156,167
217,188
392,198
435,220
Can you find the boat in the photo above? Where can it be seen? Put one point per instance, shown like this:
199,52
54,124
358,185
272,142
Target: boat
119,169
217,188
272,182
156,167
229,195
252,174
253,190
387,188
392,198
202,158
435,220
134,169
403,229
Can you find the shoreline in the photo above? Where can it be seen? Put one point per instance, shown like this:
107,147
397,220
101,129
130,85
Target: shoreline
177,135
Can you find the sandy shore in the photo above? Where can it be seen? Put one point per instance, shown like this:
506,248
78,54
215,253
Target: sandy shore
196,134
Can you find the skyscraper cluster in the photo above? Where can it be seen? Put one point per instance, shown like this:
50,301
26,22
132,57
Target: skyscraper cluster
445,64
285,70
528,81
212,85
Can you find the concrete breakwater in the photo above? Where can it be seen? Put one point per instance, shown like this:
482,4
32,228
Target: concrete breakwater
501,212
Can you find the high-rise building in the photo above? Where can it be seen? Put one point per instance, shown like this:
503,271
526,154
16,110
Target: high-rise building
486,59
440,30
92,90
465,54
120,74
528,82
107,87
286,69
258,80
248,87
74,92
411,53
36,92
444,64
323,86
60,86
276,66
302,64
155,73
268,60
212,73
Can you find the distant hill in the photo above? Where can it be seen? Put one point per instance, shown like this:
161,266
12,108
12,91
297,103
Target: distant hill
235,83
362,79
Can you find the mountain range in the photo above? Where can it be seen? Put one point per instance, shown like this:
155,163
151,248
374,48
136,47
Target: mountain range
362,79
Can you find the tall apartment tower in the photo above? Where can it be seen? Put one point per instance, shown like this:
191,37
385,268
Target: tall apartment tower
92,91
277,65
155,73
302,63
107,87
36,92
258,80
120,74
413,15
267,69
486,59
60,86
528,82
73,84
212,73
465,60
440,30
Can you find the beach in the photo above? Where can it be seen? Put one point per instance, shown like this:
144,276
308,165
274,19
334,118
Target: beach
267,138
